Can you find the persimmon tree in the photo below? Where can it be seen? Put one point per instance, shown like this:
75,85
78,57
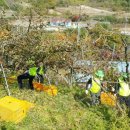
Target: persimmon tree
61,50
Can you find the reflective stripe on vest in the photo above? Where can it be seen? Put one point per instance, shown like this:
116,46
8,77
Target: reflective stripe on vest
96,85
41,72
33,71
124,88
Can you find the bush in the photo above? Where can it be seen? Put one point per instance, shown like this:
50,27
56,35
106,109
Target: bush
106,25
17,8
2,3
111,19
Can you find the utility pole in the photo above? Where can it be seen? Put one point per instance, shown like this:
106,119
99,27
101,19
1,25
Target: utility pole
78,35
78,27
126,49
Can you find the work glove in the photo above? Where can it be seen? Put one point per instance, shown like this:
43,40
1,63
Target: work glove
112,89
115,95
45,75
86,91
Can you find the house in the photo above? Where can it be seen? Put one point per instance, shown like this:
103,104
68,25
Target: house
60,22
125,32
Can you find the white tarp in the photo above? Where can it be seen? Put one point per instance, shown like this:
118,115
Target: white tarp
81,77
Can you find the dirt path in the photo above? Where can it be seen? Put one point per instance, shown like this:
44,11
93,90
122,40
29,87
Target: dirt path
84,10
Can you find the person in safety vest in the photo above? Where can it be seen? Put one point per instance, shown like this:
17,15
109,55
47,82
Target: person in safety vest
94,86
31,74
123,90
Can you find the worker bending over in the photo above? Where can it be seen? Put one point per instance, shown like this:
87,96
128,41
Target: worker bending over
31,74
123,90
94,87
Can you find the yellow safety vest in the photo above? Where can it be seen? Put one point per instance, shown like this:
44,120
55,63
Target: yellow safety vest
33,71
96,85
124,88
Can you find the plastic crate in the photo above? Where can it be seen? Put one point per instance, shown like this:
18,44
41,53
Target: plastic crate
13,110
38,86
12,79
108,99
51,89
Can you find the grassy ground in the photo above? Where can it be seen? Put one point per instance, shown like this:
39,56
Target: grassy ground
66,111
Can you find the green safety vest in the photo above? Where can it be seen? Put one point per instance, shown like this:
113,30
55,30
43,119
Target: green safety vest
96,85
33,71
124,88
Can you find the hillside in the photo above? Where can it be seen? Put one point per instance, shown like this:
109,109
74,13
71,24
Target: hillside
67,111
72,39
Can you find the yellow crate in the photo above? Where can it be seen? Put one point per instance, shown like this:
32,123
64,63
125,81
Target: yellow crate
108,99
38,86
51,90
12,109
12,79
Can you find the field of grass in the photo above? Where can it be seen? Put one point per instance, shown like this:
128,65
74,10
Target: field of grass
66,111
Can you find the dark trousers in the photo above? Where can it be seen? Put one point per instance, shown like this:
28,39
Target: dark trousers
124,100
25,76
95,98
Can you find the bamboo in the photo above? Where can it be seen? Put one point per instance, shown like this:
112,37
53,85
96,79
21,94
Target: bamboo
6,83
